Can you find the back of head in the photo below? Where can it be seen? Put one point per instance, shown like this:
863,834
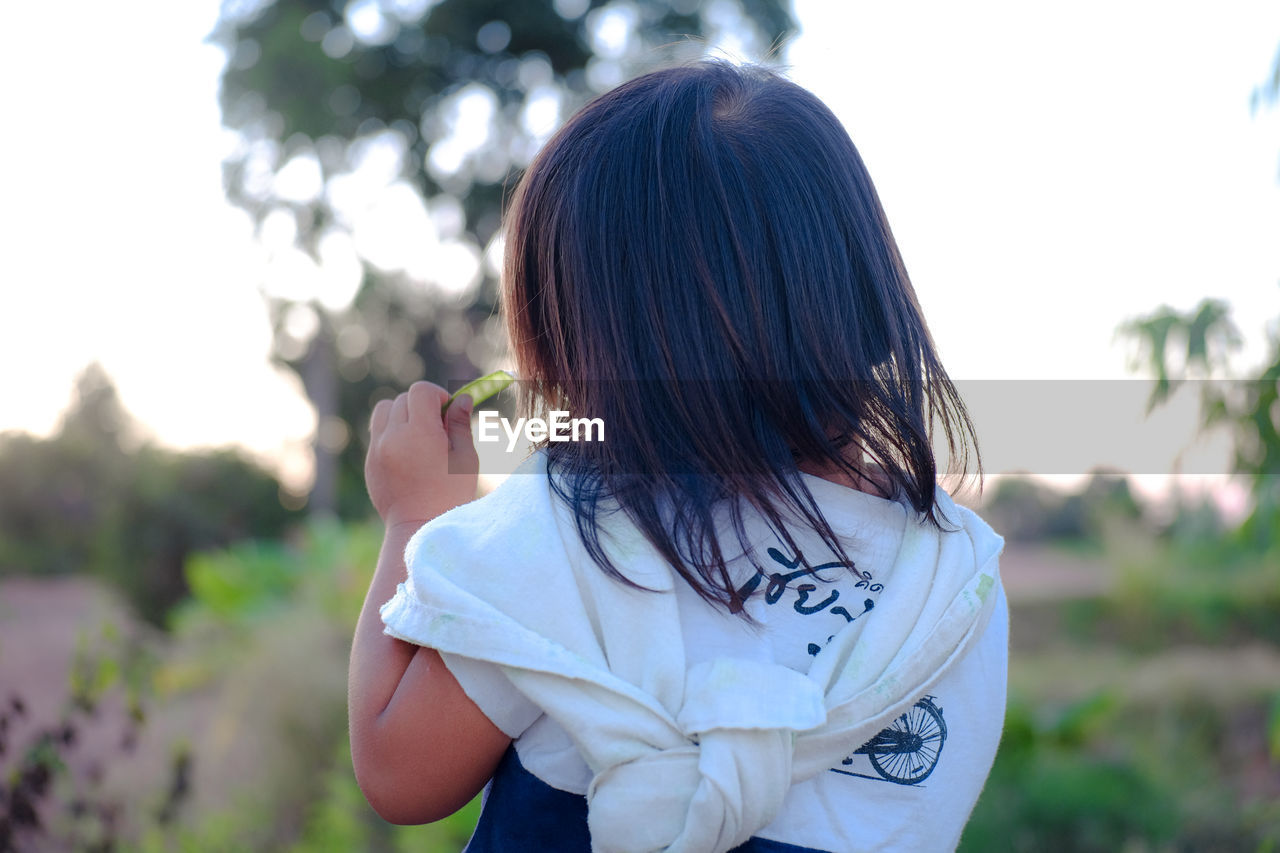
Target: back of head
699,259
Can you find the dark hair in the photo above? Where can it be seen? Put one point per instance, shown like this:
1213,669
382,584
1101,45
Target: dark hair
699,258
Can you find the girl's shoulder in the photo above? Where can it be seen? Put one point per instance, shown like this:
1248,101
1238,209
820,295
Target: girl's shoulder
517,514
522,541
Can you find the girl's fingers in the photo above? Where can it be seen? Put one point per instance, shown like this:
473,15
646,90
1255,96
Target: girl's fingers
458,425
400,409
425,400
381,414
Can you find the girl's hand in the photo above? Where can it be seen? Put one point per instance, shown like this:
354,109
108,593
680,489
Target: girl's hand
420,463
421,749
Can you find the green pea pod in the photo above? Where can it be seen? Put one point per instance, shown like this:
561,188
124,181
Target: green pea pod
481,389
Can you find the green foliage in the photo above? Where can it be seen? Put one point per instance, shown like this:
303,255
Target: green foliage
267,633
93,499
1162,744
263,643
341,820
1176,346
1211,591
1053,787
237,582
338,820
325,566
1200,340
1202,592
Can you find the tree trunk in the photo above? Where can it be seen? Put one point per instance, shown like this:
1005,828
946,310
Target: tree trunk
320,378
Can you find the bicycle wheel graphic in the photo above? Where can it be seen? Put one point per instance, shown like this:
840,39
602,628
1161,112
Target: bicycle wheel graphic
907,751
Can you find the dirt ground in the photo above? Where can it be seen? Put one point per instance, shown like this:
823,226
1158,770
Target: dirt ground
1034,574
42,619
41,622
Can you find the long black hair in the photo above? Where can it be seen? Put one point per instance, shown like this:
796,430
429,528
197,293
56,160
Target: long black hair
699,259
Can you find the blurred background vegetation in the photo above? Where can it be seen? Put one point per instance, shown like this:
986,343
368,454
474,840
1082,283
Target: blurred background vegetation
201,614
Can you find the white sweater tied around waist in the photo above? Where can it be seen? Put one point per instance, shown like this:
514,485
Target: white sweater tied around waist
687,759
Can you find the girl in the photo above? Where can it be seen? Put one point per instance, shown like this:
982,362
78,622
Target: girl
748,619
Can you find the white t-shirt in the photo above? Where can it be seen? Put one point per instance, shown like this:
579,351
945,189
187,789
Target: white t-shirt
910,788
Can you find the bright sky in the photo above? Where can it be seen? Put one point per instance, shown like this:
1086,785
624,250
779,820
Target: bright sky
1048,172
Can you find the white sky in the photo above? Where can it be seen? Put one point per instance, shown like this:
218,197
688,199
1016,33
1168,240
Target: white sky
1048,172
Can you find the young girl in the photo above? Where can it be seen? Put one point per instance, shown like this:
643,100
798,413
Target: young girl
746,620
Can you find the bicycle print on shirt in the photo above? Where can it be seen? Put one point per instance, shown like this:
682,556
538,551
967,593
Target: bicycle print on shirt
907,751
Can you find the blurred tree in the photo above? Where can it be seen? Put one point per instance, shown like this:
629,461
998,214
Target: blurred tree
96,499
1024,509
1175,346
376,138
53,493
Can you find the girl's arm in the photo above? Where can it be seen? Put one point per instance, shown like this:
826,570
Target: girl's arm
421,748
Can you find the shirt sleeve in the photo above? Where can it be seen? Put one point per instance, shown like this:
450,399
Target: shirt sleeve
485,684
475,545
494,694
